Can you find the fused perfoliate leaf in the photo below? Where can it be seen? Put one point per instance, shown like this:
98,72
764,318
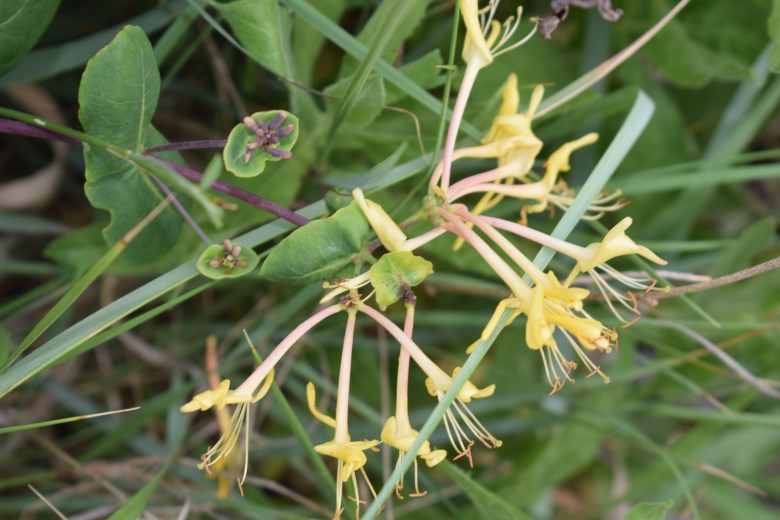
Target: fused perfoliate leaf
319,250
261,137
227,260
395,274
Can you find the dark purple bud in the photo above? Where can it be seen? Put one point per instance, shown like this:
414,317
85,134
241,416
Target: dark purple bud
278,120
285,131
282,154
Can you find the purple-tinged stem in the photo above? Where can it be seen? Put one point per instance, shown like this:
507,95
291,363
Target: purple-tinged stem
176,204
249,198
187,145
8,126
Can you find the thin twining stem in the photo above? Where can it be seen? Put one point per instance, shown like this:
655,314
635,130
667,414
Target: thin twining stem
741,372
238,193
20,128
9,126
723,280
182,211
187,145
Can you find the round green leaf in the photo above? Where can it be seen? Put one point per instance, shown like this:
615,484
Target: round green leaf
263,136
227,261
394,275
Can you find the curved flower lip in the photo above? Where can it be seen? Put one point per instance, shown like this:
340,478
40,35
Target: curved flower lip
222,395
205,400
615,243
350,453
469,9
403,443
468,392
391,236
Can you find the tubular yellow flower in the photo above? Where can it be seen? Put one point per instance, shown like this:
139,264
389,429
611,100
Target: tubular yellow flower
401,437
348,453
546,314
386,229
616,243
486,38
437,384
398,431
220,397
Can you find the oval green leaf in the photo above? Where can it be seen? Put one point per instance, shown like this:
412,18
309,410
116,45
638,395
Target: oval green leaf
319,250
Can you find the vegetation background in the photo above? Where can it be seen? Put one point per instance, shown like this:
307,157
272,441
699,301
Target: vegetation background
679,427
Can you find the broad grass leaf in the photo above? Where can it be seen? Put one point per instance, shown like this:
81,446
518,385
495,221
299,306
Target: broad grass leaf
318,250
422,71
369,101
258,26
773,27
649,511
117,99
412,14
22,22
687,59
740,252
491,505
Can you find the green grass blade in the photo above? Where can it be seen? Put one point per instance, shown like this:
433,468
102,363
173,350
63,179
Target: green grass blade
389,26
704,178
84,282
489,504
626,137
356,49
33,426
45,63
134,508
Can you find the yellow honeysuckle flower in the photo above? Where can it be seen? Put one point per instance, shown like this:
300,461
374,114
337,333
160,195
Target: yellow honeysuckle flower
220,397
486,38
460,440
403,438
400,435
388,232
348,453
615,243
546,314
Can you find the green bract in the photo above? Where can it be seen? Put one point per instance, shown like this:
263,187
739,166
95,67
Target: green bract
217,262
263,136
395,274
319,250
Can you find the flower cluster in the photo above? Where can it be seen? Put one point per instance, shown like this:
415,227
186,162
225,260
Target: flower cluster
557,321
